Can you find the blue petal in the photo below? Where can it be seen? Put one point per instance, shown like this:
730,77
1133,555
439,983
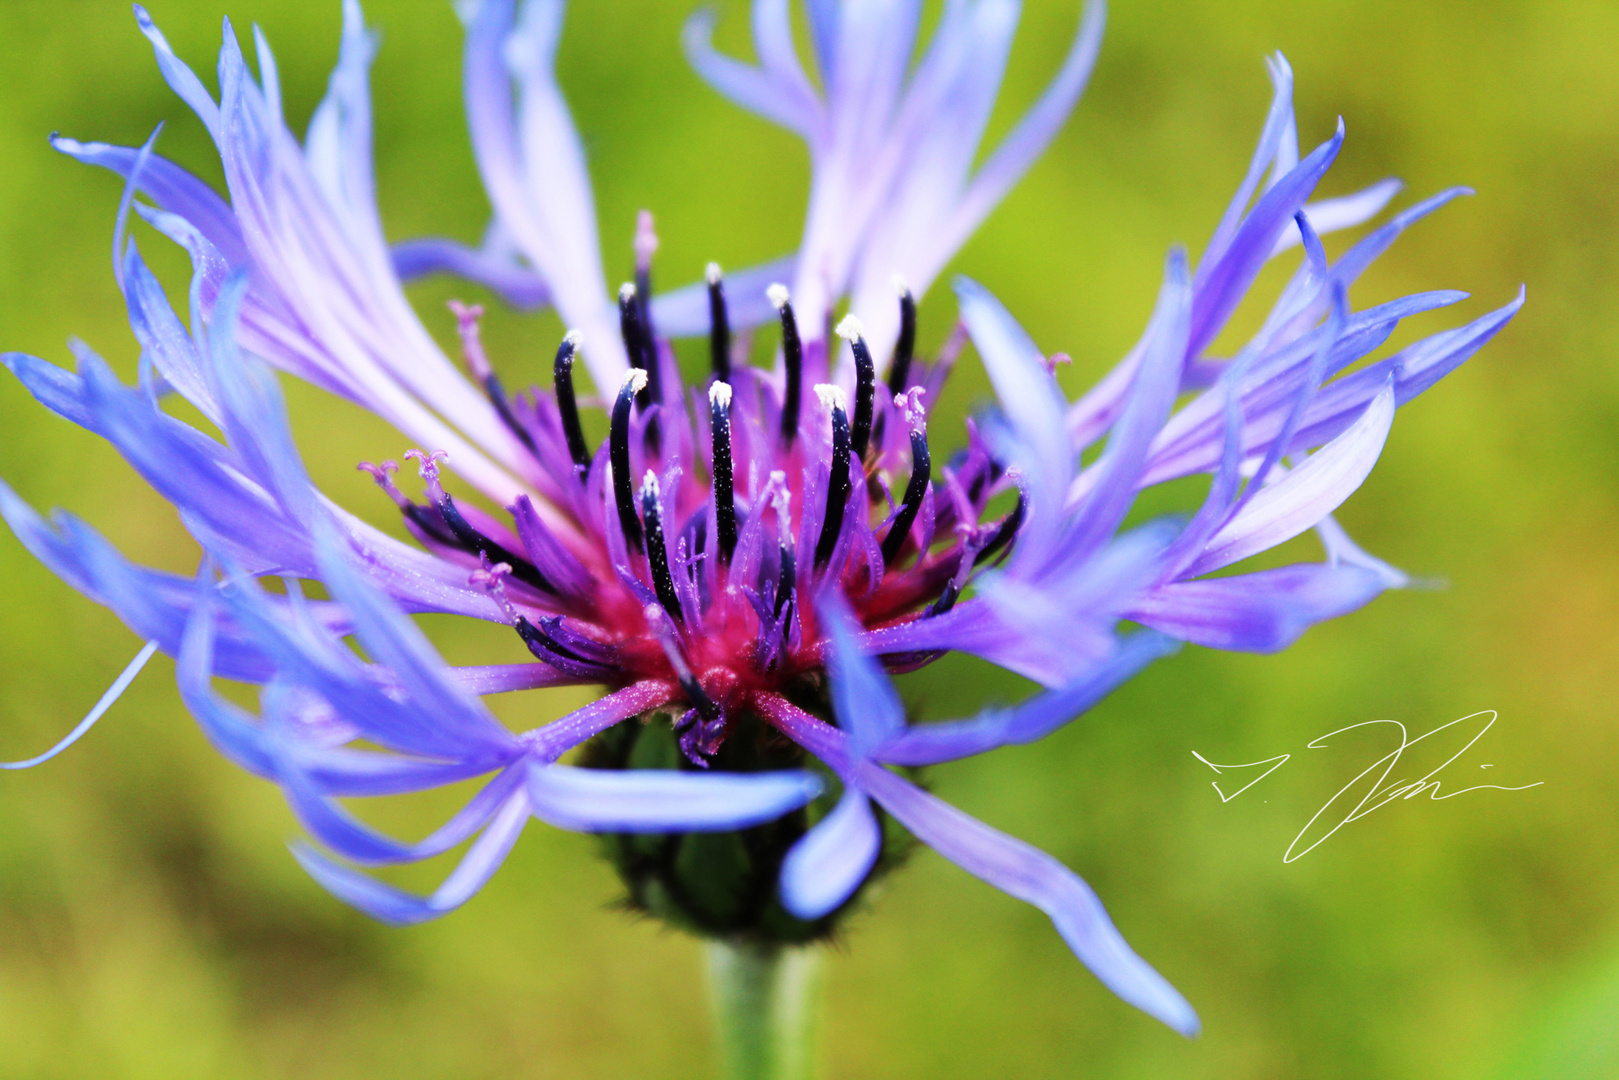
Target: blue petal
391,905
1035,409
830,861
172,187
1222,284
1152,395
683,312
1035,878
930,744
663,800
863,699
181,79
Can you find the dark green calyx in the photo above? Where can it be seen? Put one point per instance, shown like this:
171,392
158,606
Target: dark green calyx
722,884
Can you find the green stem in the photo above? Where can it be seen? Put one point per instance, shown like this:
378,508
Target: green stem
765,1006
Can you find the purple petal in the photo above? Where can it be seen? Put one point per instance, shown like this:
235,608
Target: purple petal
1343,212
520,287
1283,509
785,102
1033,133
1261,612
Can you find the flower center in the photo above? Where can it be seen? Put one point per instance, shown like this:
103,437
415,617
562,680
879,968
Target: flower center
692,546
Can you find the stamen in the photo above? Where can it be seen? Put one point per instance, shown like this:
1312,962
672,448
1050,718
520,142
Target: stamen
618,453
838,484
427,469
646,245
719,325
567,404
491,578
787,581
899,372
541,640
384,476
466,324
792,355
865,387
1005,534
677,660
642,350
719,400
466,319
921,473
463,533
657,552
429,523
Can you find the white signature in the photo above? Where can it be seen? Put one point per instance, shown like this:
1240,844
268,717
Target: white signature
1379,794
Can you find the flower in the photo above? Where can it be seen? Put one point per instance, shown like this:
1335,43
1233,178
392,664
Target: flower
739,568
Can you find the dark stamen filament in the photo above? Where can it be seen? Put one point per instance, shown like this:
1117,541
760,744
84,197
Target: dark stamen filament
865,387
567,404
921,473
792,355
838,484
787,581
719,325
466,318
1003,535
470,539
642,351
618,449
719,399
899,372
545,647
657,552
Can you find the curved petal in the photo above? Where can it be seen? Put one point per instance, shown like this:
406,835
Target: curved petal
1035,878
1260,612
830,861
662,800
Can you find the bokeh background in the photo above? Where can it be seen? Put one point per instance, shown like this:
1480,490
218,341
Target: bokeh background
152,923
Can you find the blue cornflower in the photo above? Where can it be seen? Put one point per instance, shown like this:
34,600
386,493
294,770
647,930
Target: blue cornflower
740,564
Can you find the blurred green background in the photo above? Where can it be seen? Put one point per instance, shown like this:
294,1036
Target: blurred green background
152,923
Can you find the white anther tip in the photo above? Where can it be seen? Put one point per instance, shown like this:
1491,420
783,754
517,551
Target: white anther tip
712,273
720,394
901,287
634,381
778,295
649,484
573,338
626,291
851,328
832,397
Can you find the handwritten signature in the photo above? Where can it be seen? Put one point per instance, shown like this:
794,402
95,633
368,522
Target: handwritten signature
1380,793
